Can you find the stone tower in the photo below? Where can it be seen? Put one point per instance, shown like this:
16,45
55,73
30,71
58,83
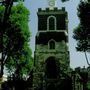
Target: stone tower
51,56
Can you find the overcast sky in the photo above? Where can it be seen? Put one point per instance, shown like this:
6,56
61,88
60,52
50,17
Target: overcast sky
76,58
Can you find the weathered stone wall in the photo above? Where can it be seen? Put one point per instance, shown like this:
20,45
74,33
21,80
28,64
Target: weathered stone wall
60,52
43,51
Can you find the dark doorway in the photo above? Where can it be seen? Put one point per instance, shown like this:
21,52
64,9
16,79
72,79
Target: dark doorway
51,68
51,87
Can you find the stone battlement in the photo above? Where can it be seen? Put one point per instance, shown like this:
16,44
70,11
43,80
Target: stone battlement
48,9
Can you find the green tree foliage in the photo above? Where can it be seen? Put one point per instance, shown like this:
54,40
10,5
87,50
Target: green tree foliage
6,5
82,32
16,37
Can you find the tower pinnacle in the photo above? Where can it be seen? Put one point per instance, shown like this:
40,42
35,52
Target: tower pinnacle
51,3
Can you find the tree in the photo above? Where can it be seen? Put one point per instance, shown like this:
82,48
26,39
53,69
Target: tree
21,53
16,50
20,65
82,33
7,4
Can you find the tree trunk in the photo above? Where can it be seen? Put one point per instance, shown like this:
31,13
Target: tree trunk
87,58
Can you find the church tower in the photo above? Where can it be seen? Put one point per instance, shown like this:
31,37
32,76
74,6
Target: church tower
51,56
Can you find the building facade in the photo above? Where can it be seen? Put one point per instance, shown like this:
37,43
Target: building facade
51,57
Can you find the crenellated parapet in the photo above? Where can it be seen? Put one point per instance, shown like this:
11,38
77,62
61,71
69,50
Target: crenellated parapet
55,10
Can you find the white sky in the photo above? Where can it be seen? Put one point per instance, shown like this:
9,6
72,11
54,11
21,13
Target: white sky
76,58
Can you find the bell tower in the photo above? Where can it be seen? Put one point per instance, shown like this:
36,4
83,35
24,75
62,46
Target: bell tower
51,56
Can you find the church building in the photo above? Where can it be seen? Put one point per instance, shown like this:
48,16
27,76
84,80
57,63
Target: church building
51,56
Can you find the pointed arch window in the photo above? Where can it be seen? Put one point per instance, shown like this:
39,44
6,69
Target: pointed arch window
52,44
51,23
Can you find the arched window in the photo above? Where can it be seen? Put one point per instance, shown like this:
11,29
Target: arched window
51,23
52,44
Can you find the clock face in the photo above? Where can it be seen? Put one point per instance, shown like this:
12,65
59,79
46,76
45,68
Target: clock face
52,3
